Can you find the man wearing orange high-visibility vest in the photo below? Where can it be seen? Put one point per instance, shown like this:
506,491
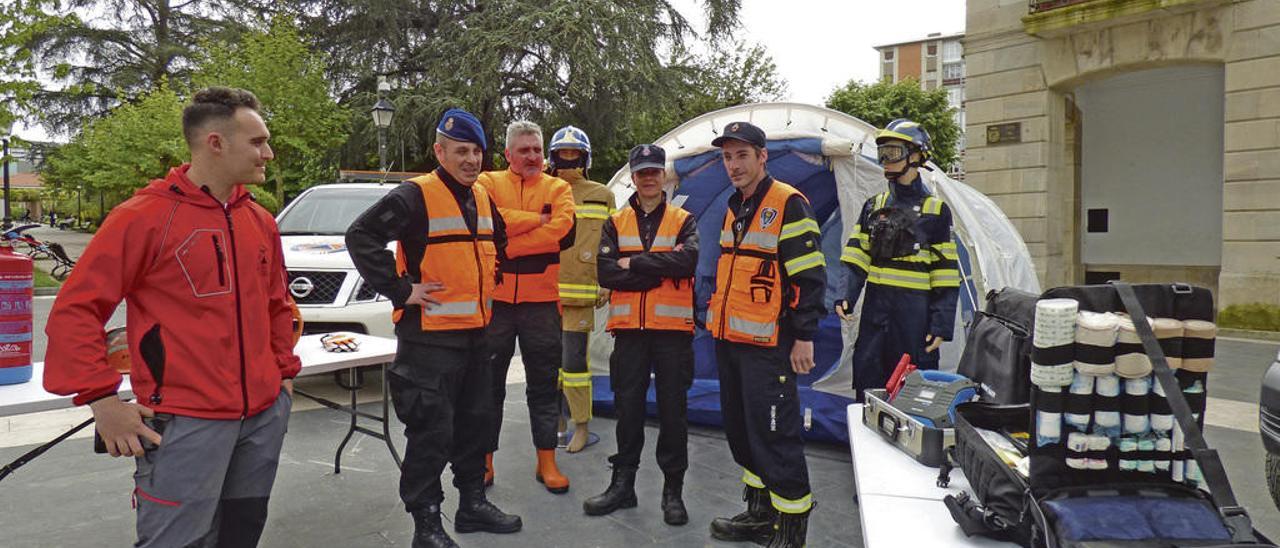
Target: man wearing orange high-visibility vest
450,241
648,253
770,281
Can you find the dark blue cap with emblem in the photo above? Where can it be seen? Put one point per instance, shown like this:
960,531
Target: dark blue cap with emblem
741,131
647,156
460,125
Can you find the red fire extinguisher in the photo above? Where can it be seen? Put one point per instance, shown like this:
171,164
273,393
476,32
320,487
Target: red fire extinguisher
16,284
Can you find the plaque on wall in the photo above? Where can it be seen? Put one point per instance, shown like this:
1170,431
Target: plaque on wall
999,134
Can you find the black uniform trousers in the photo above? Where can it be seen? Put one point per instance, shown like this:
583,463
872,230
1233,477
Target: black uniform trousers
537,326
669,356
442,395
760,407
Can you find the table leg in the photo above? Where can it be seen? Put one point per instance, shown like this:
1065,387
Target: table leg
386,418
355,413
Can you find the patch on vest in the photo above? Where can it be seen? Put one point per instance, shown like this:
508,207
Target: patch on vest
767,216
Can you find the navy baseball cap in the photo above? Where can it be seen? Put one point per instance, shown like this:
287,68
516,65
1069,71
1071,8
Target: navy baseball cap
741,131
646,157
460,125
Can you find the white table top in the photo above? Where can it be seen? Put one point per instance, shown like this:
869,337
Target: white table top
30,397
898,498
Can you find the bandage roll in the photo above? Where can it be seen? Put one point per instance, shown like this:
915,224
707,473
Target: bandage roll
1055,322
1095,346
1177,467
1135,407
1193,476
1164,453
1198,345
1049,402
1106,405
1131,362
1079,406
1077,450
1097,456
1128,453
1193,389
1161,414
1052,376
1146,449
1169,332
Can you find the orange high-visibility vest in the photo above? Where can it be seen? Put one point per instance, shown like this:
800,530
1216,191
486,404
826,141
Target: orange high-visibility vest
667,307
749,291
532,274
462,262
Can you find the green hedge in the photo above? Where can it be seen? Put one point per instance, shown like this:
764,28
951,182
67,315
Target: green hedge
1255,316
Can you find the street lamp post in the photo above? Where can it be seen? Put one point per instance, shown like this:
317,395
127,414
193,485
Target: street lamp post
382,112
8,133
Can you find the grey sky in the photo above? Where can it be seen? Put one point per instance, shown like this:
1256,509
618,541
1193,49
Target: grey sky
819,45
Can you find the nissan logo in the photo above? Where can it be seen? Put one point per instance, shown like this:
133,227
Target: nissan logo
300,287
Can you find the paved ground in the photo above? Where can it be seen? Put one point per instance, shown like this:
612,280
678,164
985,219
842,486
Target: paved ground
70,497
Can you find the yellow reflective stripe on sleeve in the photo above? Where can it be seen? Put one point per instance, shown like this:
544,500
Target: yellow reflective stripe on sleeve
575,380
591,211
856,257
944,277
931,206
803,263
579,291
752,480
947,250
799,228
881,198
789,506
898,278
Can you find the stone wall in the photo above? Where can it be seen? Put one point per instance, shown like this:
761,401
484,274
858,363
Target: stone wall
1014,76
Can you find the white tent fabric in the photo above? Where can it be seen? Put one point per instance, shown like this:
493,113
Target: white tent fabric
998,255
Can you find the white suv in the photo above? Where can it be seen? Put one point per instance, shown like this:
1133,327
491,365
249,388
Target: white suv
322,279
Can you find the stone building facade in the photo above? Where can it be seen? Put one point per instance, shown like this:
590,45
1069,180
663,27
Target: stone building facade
1137,139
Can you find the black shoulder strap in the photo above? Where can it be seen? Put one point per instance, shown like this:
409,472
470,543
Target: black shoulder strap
1215,475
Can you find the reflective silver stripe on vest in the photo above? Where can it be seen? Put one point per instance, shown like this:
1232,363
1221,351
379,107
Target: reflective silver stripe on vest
629,241
460,308
726,238
441,224
664,241
620,310
482,223
763,240
682,312
754,329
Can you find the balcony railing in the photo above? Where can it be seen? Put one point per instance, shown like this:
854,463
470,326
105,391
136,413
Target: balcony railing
1041,6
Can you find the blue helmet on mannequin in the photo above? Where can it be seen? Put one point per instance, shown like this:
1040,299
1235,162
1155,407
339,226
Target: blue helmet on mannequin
570,138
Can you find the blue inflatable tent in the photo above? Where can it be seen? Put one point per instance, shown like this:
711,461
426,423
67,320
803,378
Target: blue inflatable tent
827,156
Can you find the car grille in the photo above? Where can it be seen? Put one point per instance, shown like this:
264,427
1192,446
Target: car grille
324,286
365,292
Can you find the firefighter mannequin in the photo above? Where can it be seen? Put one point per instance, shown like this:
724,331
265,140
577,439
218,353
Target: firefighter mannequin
538,210
579,293
647,257
901,250
770,281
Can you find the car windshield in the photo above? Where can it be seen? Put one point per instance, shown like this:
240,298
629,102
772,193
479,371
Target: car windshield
329,211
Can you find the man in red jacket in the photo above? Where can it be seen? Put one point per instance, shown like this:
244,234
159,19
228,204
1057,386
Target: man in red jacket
200,266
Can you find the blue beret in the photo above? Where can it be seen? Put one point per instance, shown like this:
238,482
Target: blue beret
460,125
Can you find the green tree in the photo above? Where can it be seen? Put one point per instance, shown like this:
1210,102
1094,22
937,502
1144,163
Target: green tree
307,125
95,54
118,153
588,60
882,102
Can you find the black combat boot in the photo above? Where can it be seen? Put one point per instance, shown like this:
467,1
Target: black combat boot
620,494
754,525
673,511
791,531
476,513
427,531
